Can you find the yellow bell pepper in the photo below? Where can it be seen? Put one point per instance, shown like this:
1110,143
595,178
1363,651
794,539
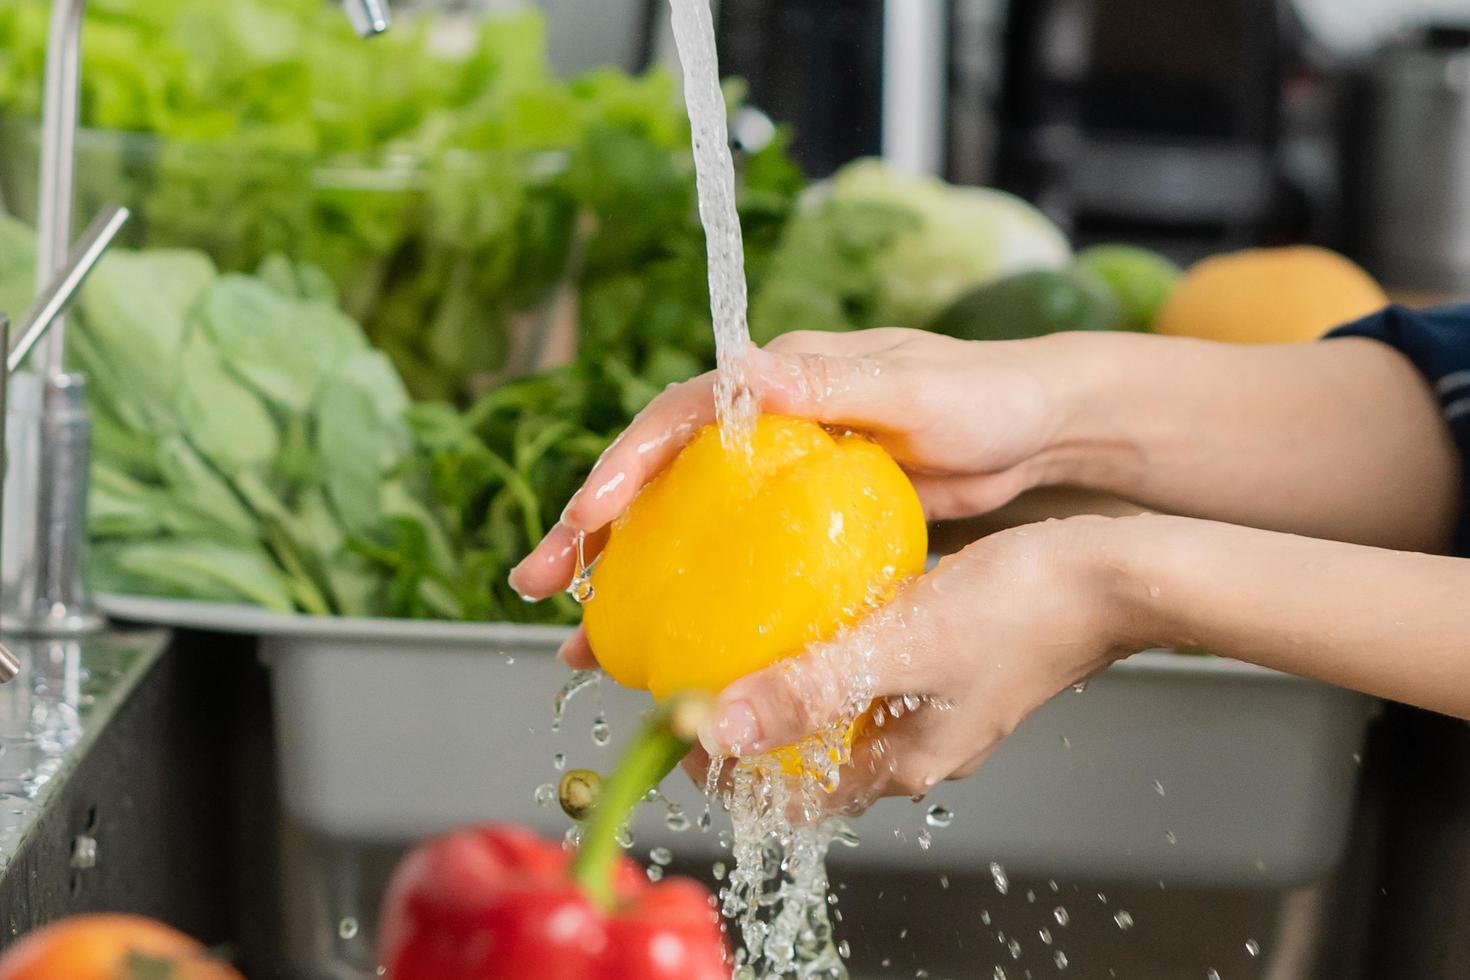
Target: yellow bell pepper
728,562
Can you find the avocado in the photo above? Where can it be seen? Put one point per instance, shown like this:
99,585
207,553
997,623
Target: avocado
1032,304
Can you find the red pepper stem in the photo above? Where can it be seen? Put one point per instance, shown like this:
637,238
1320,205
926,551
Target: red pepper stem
666,737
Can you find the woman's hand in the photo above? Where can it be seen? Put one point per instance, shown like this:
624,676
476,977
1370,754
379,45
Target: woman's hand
977,644
968,422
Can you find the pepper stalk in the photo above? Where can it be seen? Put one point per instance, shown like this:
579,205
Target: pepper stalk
668,733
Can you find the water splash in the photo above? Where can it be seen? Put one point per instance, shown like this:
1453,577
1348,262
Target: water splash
579,681
939,817
998,875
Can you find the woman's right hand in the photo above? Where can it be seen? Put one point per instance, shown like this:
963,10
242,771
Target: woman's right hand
970,423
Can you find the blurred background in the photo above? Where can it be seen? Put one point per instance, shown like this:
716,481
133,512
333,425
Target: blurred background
472,243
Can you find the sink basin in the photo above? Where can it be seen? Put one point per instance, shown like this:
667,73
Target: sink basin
1183,768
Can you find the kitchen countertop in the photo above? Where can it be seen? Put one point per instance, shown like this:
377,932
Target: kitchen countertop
65,695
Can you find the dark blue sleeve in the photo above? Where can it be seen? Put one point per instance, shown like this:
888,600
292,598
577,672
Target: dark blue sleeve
1438,343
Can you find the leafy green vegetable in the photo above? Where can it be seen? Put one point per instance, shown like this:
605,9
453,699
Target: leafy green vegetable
445,196
873,247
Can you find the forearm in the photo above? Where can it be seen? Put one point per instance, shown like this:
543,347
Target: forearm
1392,624
1341,439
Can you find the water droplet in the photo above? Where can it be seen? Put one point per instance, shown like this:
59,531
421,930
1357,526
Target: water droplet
1066,743
625,837
581,588
1252,947
347,928
1052,884
944,882
1158,787
676,820
1061,960
545,794
925,839
1014,948
1123,919
1060,914
1000,973
939,817
654,872
1212,974
576,684
843,833
601,733
1030,896
1171,837
1080,687
1102,899
1045,935
661,856
903,933
998,875
573,837
559,761
844,950
719,870
911,702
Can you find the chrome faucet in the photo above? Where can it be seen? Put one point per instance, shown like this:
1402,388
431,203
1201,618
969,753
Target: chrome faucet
70,612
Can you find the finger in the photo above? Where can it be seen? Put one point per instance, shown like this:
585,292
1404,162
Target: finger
856,343
649,443
576,652
948,497
549,568
830,681
858,391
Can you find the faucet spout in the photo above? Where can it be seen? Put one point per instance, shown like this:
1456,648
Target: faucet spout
369,17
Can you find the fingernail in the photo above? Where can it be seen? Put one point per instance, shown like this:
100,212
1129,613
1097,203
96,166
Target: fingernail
732,731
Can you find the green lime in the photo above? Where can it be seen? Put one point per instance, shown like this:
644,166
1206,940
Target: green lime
1140,279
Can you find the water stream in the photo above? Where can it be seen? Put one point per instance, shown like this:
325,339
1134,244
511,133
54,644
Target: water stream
777,893
694,34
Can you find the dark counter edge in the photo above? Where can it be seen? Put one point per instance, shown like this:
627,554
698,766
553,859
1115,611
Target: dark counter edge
178,790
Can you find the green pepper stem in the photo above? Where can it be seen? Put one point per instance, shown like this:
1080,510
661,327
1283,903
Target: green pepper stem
665,738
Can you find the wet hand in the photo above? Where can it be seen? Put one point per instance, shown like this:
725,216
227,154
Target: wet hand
969,422
955,662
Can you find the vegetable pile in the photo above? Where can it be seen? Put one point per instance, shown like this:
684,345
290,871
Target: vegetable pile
445,194
251,446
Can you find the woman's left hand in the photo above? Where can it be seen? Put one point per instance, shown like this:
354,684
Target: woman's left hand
982,641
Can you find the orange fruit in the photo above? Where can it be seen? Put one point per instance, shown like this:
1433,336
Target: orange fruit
1269,296
110,947
727,562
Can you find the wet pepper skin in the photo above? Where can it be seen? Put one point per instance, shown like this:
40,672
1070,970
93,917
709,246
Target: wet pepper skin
497,903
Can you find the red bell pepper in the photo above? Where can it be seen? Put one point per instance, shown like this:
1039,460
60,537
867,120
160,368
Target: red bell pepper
498,903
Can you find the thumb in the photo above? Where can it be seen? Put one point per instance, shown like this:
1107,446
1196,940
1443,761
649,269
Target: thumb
827,684
840,389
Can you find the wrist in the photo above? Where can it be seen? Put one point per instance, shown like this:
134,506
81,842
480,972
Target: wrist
1131,558
1088,379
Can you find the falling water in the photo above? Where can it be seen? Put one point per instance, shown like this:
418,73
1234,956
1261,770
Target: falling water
694,34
